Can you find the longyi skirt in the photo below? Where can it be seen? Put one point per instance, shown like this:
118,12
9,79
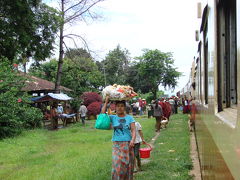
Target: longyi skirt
122,161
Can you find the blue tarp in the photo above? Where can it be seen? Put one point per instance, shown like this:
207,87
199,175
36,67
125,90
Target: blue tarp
35,98
62,97
51,96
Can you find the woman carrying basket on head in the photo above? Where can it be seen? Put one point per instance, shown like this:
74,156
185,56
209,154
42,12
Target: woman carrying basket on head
123,142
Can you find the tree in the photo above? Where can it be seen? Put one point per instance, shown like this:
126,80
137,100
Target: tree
28,30
79,74
157,68
16,113
115,66
77,52
91,97
71,11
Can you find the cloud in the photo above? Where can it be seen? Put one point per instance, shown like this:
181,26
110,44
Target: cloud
137,24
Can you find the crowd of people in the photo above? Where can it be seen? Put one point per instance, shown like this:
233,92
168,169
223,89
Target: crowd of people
127,132
54,112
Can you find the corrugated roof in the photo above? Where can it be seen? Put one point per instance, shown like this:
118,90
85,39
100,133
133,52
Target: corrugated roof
38,84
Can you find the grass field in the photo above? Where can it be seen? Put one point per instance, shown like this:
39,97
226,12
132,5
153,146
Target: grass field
170,159
84,153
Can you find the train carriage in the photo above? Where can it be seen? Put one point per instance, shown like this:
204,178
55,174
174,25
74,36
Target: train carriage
215,84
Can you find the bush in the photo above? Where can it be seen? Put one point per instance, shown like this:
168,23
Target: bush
94,108
16,112
90,97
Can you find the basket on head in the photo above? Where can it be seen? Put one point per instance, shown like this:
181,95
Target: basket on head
145,152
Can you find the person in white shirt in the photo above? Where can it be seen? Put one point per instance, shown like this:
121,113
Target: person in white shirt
172,102
137,143
59,109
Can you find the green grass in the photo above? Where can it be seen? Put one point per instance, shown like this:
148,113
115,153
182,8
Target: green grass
167,165
84,153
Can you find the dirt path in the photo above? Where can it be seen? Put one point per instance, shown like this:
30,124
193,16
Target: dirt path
194,156
145,161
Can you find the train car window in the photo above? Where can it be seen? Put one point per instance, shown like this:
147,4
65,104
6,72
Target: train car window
227,54
200,70
205,63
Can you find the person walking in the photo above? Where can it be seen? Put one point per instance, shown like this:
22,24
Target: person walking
172,102
185,105
140,108
150,110
83,111
137,144
157,113
176,104
123,138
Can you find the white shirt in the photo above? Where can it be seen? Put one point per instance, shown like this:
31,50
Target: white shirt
138,128
137,104
83,110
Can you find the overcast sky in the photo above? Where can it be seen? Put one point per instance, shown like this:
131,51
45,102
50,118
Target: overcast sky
167,25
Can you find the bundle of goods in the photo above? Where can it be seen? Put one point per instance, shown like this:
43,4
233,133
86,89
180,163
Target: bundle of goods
118,92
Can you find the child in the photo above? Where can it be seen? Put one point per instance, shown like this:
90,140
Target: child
138,140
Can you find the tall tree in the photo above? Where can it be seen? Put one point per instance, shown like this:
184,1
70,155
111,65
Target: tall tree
115,65
28,30
79,74
157,68
72,11
77,52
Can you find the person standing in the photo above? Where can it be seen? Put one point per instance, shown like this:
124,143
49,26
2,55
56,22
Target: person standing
157,113
134,109
59,109
150,110
54,116
171,102
140,108
83,111
176,103
168,110
128,108
123,138
144,105
185,105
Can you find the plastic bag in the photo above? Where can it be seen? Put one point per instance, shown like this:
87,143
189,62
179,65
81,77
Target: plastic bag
103,121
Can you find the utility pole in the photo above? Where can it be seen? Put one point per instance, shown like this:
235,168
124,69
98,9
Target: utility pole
105,80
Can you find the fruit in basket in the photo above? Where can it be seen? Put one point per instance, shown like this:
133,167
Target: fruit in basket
119,92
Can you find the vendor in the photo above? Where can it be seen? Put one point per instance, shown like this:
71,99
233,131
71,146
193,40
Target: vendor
59,109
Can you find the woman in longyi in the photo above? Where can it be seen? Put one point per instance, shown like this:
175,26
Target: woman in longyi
123,138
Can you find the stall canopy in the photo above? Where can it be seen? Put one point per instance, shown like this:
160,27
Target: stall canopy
51,97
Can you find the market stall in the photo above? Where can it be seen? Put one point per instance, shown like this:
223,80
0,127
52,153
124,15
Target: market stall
57,101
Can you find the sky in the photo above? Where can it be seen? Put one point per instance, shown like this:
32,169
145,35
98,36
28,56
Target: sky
168,26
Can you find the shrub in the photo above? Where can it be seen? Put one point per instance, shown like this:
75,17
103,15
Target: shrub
90,97
16,112
94,108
